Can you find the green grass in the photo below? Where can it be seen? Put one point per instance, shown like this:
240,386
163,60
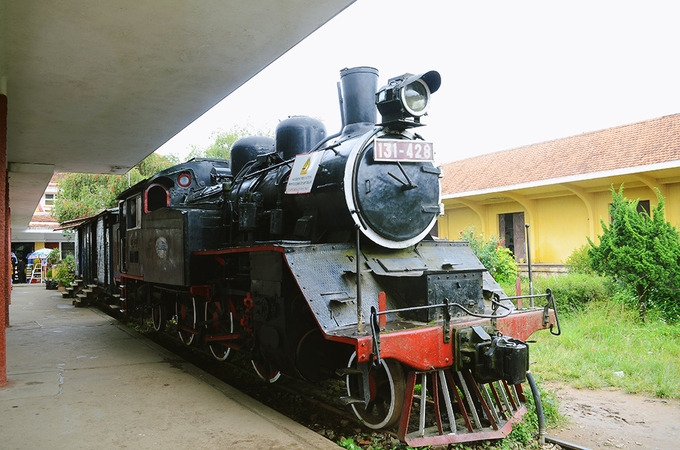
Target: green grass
606,345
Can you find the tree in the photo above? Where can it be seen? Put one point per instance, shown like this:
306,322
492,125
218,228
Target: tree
86,194
643,253
154,163
223,140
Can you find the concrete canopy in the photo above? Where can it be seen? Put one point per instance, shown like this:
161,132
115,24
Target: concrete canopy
97,86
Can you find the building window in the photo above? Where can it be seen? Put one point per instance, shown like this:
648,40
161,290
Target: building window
511,232
47,202
68,248
642,206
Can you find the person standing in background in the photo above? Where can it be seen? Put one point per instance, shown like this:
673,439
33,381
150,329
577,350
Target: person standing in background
21,268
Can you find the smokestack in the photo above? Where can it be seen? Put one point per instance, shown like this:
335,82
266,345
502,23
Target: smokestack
359,86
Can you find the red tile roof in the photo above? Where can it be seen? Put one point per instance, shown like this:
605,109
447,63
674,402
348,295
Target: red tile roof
654,141
43,221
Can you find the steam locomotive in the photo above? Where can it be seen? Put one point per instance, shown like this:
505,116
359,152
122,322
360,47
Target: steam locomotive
313,255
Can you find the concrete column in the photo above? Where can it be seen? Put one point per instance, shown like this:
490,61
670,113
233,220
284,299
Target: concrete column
5,260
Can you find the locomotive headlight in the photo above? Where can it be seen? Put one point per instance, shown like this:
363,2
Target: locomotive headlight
416,98
406,99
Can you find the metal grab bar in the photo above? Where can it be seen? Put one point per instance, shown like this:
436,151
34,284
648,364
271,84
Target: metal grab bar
551,301
446,306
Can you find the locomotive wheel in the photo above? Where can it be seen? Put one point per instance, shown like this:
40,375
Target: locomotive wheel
186,318
265,371
387,388
159,317
223,323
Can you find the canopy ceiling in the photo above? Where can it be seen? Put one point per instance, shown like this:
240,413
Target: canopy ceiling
97,86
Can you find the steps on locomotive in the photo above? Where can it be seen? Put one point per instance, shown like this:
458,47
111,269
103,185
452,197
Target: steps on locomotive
86,295
118,305
75,287
81,294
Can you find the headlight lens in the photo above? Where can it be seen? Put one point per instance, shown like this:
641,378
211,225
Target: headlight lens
415,97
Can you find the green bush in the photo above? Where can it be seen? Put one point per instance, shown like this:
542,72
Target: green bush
53,257
579,261
572,292
498,260
65,272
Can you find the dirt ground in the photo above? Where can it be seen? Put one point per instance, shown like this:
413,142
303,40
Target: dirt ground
614,419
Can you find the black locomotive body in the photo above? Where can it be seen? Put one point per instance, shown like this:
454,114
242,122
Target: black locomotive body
312,255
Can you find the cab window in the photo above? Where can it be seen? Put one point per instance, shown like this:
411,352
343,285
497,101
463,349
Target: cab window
133,209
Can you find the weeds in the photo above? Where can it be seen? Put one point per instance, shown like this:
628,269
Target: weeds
525,432
348,444
606,345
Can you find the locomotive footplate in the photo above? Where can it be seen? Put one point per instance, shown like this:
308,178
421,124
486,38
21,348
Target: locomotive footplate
423,348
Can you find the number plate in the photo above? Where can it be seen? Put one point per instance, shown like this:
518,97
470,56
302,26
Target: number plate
402,150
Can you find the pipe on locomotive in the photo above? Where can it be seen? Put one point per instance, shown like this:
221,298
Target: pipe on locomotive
357,100
356,91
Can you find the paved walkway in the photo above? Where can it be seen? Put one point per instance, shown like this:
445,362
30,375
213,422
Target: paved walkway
77,379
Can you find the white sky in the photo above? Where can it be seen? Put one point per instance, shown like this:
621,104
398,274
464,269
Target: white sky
513,72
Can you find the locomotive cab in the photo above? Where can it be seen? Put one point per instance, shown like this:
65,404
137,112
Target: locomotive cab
158,233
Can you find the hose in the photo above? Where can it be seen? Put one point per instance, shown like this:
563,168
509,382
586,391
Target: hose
539,408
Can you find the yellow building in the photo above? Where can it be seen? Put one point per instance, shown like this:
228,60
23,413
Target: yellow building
561,188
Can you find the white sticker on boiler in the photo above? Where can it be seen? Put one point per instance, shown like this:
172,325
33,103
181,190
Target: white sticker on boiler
302,175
